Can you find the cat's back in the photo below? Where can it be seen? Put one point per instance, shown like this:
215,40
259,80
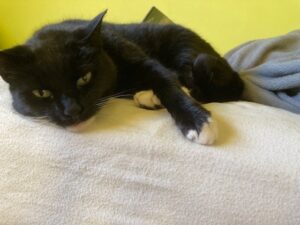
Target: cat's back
139,32
154,39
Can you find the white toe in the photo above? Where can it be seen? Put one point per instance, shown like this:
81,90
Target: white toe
207,136
156,100
186,90
192,135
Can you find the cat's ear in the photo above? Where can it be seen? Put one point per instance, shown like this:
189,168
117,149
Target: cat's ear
94,27
13,60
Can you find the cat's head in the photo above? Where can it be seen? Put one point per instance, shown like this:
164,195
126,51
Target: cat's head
61,73
218,82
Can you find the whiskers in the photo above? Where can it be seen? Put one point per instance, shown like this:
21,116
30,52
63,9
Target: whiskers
40,119
104,101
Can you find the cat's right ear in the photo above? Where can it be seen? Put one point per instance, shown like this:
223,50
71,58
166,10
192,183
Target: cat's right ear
13,60
93,29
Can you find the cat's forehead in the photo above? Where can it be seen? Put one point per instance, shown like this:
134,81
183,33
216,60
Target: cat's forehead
57,55
53,57
55,34
52,68
46,77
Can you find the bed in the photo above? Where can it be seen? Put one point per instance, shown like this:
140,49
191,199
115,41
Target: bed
134,167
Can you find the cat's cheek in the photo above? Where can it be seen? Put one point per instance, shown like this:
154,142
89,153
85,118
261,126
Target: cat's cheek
81,126
24,106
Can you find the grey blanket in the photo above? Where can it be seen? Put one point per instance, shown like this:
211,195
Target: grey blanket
270,69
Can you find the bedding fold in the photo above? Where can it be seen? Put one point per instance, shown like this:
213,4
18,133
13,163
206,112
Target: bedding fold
270,69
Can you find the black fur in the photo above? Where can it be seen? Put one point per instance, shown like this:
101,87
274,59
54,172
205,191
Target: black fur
122,59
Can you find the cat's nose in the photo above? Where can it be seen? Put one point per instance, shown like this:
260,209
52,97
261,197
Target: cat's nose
71,107
73,110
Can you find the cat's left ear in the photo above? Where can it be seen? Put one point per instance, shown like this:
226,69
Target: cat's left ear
12,60
94,27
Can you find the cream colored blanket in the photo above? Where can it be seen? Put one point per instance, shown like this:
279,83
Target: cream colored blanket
134,167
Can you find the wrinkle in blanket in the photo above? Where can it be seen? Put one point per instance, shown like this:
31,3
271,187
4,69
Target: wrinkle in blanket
270,69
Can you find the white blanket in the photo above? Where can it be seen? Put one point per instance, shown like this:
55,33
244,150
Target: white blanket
134,167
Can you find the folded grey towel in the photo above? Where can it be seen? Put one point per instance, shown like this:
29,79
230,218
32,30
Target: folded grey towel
270,69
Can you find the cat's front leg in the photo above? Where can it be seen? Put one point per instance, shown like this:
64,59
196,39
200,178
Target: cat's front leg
148,100
193,120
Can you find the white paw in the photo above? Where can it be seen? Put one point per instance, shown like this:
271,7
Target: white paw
207,135
186,90
147,99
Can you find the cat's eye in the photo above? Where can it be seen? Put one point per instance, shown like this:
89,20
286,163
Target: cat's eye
84,80
42,93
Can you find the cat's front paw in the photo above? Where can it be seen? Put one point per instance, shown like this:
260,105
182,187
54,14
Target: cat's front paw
207,134
147,99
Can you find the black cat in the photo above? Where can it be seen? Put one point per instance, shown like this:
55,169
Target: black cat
66,69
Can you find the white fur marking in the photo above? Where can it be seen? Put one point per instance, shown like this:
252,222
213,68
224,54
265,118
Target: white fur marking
147,99
207,136
186,90
156,100
192,135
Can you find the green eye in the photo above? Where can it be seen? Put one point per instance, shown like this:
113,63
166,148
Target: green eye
84,80
42,93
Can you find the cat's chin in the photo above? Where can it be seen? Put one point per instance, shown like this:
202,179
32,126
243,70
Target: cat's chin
81,126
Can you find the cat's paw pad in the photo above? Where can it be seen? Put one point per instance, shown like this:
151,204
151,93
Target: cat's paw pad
147,99
207,135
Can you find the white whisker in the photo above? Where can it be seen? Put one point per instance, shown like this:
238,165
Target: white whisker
105,99
117,94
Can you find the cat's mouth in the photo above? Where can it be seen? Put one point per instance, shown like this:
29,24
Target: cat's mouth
81,126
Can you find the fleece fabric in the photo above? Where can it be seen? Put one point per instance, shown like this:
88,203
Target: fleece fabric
270,69
133,167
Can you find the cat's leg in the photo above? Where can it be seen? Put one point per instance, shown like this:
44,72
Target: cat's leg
208,77
201,69
192,119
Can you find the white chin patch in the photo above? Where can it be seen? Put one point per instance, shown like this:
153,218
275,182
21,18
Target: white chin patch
208,133
81,126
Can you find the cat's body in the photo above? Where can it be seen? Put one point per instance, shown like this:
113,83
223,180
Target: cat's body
66,69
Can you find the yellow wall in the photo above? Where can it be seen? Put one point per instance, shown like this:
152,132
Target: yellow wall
225,23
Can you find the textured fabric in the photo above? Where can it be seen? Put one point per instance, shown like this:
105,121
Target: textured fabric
270,69
134,167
